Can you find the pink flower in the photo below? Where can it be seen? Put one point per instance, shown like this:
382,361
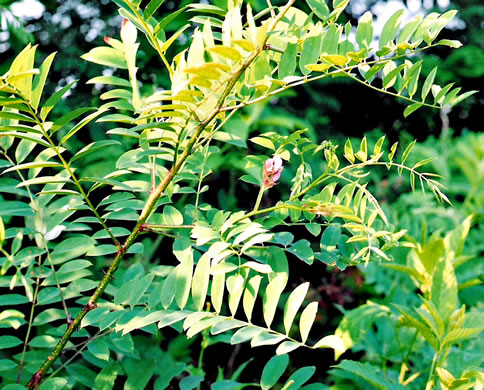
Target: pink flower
272,171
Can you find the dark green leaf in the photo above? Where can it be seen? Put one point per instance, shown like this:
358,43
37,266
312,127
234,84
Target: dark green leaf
273,371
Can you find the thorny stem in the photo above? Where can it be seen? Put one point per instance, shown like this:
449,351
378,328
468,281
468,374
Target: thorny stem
83,345
202,172
154,227
146,212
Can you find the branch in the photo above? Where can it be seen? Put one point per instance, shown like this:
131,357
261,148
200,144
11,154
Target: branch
140,224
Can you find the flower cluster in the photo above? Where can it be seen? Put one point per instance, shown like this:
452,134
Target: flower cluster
272,171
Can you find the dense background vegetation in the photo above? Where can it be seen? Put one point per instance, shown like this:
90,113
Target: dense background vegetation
333,109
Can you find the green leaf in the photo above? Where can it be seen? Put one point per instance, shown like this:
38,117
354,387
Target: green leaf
72,248
92,147
93,317
14,386
393,149
200,282
287,66
43,342
139,373
367,372
390,73
331,341
320,8
167,19
235,287
81,124
250,295
227,52
409,320
448,42
266,338
2,236
310,53
364,31
54,384
349,151
407,151
330,237
131,292
173,317
172,216
440,23
39,81
302,249
286,347
109,80
460,334
107,376
373,71
31,165
217,291
107,56
70,116
409,29
32,138
313,228
412,77
24,149
6,365
390,28
226,325
273,371
245,334
151,8
53,100
74,265
271,298
441,92
300,377
330,46
99,349
15,116
444,288
44,180
190,382
293,304
14,208
183,281
203,324
9,342
429,81
307,319
21,70
182,249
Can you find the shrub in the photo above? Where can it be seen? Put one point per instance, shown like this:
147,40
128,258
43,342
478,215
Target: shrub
226,263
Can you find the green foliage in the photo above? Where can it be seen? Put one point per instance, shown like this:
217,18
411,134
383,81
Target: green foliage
228,265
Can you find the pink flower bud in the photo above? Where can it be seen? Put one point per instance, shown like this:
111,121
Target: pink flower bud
272,171
128,32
